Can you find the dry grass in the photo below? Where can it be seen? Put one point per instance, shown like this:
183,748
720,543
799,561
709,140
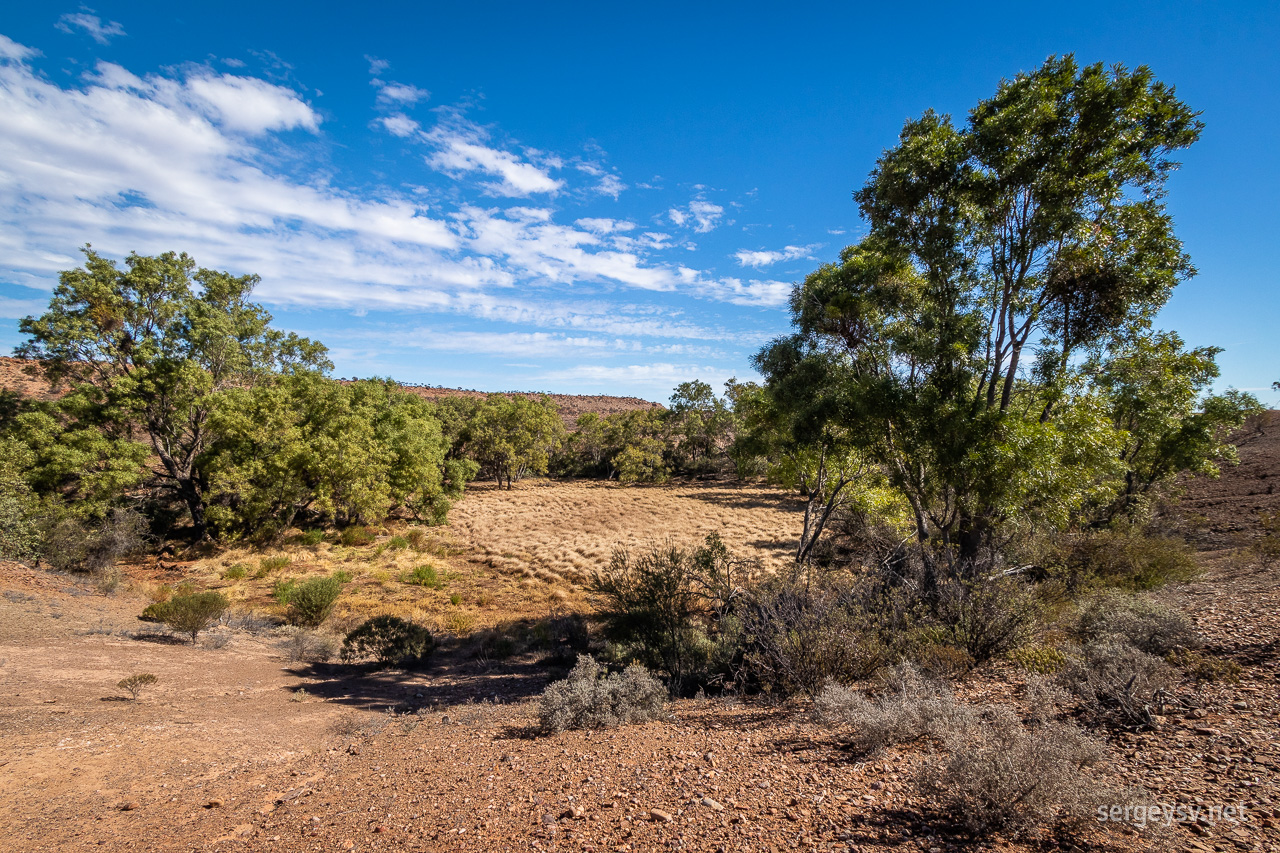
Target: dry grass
510,555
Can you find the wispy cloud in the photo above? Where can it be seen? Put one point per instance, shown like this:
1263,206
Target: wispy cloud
91,24
762,258
462,148
700,215
400,93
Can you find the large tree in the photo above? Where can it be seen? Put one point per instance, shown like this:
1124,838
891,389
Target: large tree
149,349
1003,255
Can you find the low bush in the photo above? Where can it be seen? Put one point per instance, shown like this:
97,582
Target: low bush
311,601
311,538
425,575
76,546
591,699
274,563
986,618
389,641
397,543
134,684
357,536
1003,776
908,707
1126,558
310,647
1154,628
1204,668
1119,683
282,590
190,614
237,572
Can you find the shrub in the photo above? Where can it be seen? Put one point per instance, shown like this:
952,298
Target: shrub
237,572
1126,558
311,537
667,605
397,543
1202,668
71,545
591,699
154,612
1154,628
1267,545
282,590
389,640
1042,660
343,576
191,614
357,536
425,575
986,618
455,599
311,601
274,563
134,684
1004,776
801,634
1119,682
908,708
310,647
416,538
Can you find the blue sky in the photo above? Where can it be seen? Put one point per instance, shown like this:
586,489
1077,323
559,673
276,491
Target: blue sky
580,198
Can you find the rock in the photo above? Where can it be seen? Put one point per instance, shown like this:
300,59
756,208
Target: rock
1206,731
573,813
213,804
128,807
444,721
661,816
712,804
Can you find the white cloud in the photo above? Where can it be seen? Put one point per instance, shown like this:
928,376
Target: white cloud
11,50
399,125
701,215
660,376
376,66
400,93
252,105
462,149
605,226
610,185
758,259
91,24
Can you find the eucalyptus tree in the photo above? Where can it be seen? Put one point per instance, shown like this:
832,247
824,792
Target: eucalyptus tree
1003,254
151,347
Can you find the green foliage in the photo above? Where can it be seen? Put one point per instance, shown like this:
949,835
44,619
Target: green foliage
963,346
641,463
274,563
512,436
282,590
349,453
190,614
1042,660
590,698
21,513
425,575
357,536
700,426
237,572
152,347
397,543
311,601
389,641
134,684
667,603
1124,557
1267,545
1205,668
343,576
311,537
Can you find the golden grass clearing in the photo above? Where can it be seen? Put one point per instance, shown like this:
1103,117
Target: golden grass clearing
511,554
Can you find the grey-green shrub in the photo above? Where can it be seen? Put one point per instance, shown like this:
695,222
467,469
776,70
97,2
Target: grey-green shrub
388,640
1002,775
191,614
591,699
1154,628
1119,682
907,707
311,601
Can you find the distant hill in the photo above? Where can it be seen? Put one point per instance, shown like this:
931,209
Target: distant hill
13,378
